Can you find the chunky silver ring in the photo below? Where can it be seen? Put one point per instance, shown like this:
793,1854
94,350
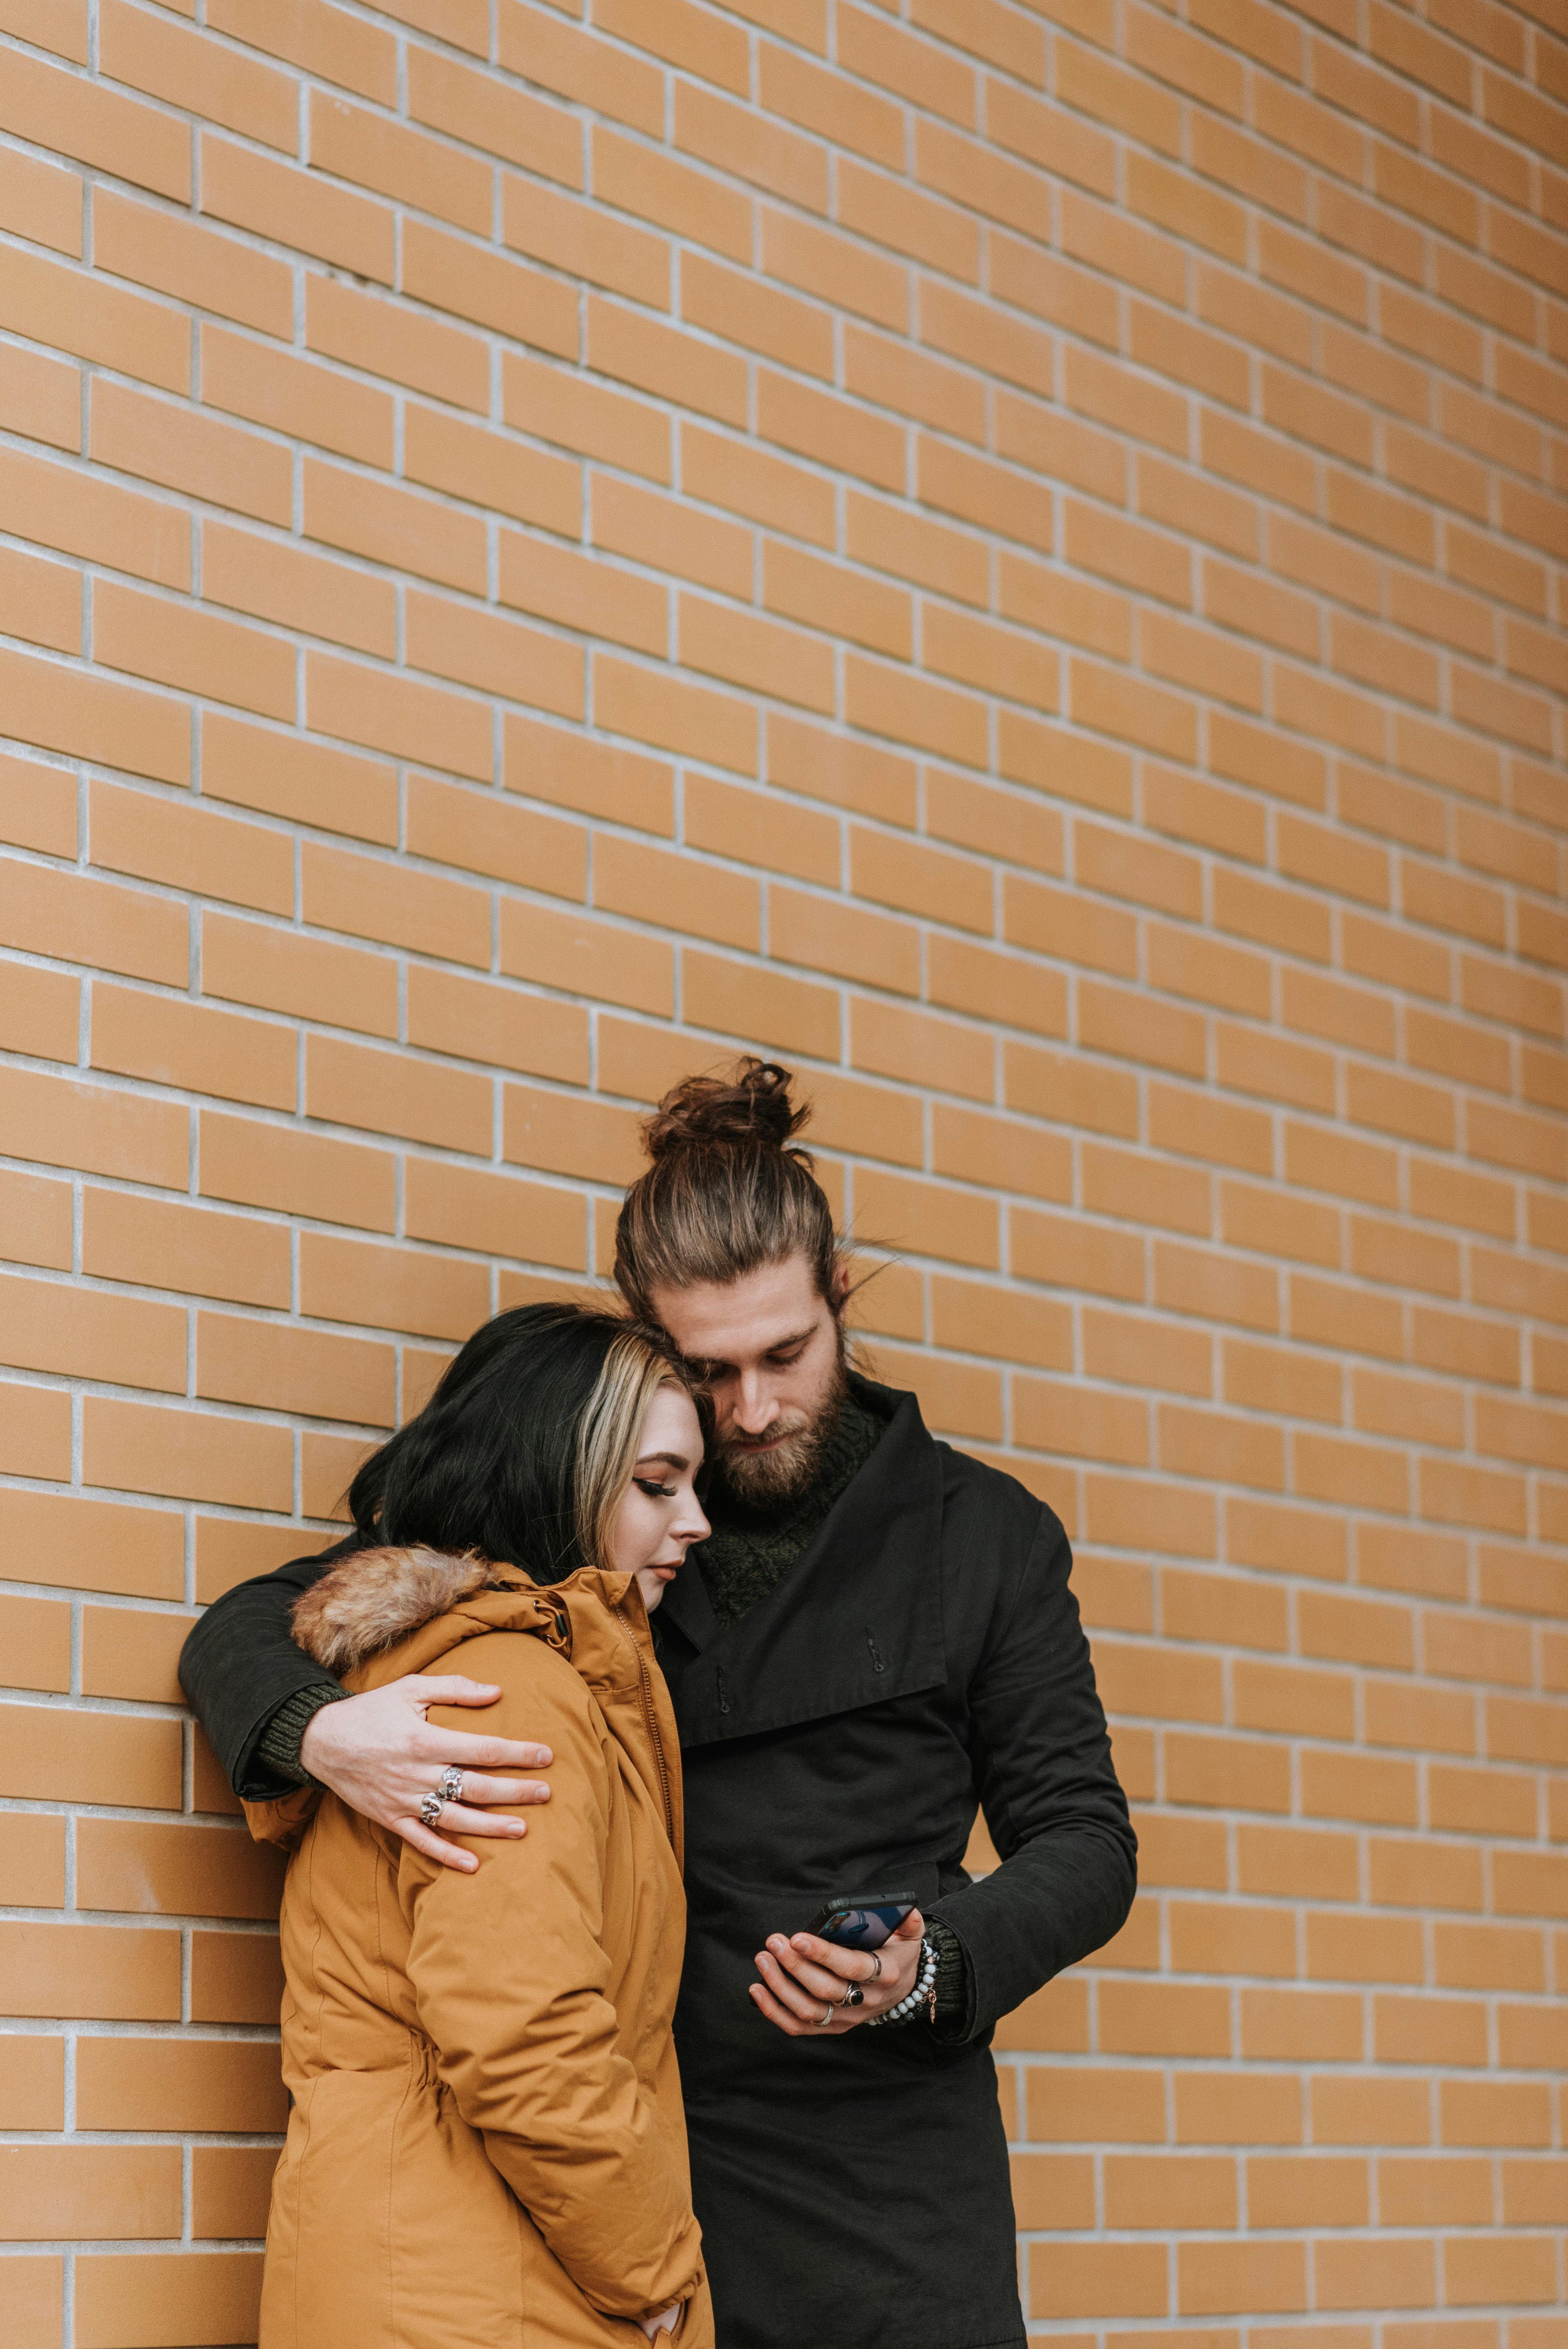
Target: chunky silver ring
853,1996
875,1973
431,1807
826,2015
449,1785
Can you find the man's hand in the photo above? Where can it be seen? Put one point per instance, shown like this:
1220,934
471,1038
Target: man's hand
381,1756
804,1975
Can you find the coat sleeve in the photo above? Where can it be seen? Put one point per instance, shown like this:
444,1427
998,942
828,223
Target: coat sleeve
239,1664
511,1977
1057,1814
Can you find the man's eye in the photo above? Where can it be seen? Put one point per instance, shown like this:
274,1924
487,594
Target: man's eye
654,1489
786,1361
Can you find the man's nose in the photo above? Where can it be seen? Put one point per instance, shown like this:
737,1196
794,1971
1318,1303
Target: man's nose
756,1406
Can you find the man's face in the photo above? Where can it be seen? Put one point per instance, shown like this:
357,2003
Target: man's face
771,1352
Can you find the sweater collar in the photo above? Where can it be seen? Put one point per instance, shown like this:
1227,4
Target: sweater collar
749,1551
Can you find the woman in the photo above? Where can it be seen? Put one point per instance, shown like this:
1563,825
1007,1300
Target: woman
486,2144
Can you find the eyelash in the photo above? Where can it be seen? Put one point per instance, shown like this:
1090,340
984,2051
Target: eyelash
654,1489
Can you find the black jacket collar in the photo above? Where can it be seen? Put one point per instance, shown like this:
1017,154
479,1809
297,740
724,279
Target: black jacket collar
857,1622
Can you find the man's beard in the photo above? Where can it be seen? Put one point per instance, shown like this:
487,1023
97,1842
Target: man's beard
767,1480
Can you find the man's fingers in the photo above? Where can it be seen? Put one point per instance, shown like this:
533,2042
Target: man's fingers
790,1993
457,1820
504,1790
777,2014
818,1984
456,1745
446,1688
435,1847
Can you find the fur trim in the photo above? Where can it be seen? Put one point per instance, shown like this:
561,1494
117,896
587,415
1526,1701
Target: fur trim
374,1596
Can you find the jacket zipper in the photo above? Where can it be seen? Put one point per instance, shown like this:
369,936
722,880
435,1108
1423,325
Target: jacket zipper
645,1689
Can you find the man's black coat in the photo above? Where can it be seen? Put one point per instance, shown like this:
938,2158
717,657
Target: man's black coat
923,1657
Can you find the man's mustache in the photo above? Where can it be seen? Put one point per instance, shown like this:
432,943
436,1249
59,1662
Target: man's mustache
774,1433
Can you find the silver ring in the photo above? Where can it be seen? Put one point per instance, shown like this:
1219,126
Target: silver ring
826,2015
853,1996
875,1975
431,1807
449,1785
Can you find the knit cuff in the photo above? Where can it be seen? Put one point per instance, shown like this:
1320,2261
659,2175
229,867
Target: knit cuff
953,1981
279,1744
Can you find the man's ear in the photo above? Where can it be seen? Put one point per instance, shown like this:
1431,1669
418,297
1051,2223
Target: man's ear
840,1286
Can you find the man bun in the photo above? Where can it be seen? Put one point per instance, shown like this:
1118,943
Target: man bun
751,1106
728,1189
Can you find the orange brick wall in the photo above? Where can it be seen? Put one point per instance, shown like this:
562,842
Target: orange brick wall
1011,550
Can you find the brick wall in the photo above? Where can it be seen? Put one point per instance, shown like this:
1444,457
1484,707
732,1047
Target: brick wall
1010,550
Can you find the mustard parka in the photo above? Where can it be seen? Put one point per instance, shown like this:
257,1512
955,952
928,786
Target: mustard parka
486,2147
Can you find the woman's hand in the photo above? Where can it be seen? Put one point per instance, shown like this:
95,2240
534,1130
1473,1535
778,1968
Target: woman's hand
379,1755
664,2321
804,1975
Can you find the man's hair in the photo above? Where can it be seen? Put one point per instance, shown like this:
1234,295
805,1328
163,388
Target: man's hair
523,1451
729,1190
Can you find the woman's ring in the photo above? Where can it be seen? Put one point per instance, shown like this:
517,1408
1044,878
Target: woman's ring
449,1785
431,1807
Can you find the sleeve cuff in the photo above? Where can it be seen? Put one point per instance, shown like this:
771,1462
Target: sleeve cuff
955,1983
279,1744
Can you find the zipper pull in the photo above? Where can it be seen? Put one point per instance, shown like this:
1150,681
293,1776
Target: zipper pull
877,1663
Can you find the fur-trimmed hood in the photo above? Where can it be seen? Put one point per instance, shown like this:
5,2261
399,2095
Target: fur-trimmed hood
374,1598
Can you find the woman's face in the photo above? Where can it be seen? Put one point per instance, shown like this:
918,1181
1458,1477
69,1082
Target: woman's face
659,1517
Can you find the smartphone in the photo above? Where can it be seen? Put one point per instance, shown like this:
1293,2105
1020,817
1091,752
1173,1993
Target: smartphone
861,1920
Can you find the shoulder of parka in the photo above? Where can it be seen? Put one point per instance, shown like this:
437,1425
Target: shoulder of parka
541,1692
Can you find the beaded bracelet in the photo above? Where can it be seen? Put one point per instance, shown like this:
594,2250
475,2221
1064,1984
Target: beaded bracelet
926,1983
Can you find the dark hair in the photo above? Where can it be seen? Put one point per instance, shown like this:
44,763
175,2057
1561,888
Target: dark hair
728,1189
525,1446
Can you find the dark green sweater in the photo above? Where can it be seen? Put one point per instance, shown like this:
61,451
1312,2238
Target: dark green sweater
750,1551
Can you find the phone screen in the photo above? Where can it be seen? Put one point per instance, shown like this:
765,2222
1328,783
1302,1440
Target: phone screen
864,1926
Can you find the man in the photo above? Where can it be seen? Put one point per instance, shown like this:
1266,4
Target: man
877,1636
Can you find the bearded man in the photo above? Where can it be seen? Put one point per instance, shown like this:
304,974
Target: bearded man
878,1639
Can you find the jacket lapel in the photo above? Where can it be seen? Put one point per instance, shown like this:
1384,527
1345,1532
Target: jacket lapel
687,1606
858,1621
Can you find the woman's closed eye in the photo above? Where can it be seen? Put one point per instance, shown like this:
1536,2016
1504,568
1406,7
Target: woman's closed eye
654,1489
